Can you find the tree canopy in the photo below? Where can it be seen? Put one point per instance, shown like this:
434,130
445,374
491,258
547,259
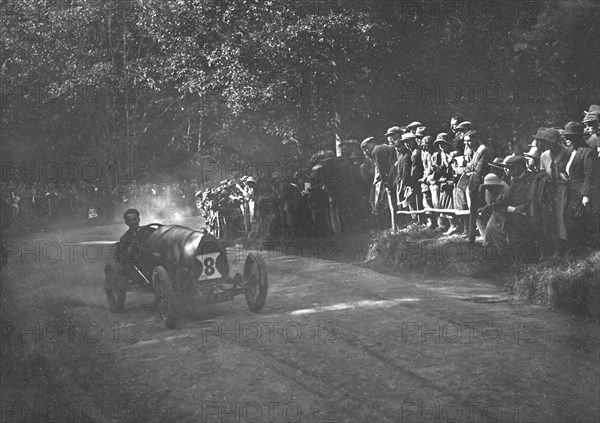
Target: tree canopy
165,81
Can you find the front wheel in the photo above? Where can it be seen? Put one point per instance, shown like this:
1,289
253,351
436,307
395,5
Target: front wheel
115,286
164,297
256,282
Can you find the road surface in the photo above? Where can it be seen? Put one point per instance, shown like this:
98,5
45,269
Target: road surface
336,342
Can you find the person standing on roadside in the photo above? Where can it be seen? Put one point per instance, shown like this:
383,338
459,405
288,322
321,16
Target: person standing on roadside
477,168
581,213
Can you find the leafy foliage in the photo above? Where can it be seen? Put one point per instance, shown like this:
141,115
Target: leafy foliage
161,82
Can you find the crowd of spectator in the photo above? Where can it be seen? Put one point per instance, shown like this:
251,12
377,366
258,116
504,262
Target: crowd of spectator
546,198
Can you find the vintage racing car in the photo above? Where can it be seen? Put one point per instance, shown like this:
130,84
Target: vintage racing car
180,266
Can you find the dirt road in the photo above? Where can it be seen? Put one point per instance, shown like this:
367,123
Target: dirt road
336,342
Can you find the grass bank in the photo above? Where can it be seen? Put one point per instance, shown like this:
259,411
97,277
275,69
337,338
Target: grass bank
571,284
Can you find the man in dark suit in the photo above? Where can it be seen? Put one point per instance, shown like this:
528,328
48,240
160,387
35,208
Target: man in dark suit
583,196
477,168
384,157
403,180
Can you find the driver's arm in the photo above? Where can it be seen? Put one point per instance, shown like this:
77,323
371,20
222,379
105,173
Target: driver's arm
127,249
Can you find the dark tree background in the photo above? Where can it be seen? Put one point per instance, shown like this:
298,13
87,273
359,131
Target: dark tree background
166,82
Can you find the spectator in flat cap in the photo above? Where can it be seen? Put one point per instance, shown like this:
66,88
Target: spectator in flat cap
460,130
583,196
421,133
367,146
412,127
394,133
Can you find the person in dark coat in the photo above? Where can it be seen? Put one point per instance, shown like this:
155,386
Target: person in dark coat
553,163
477,168
582,198
384,157
405,185
415,199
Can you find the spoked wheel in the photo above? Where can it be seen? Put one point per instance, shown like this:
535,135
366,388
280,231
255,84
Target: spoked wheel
215,226
164,297
257,282
223,227
115,287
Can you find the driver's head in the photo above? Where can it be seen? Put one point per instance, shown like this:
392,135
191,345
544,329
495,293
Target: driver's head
132,218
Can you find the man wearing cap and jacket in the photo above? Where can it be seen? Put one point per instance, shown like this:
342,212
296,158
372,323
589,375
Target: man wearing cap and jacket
459,142
384,157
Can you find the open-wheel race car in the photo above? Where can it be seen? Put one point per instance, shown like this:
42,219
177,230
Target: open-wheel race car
184,266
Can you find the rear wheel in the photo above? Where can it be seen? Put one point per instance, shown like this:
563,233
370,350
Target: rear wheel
115,287
164,296
256,282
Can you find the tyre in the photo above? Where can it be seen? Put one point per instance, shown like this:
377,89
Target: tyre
164,297
115,287
256,282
